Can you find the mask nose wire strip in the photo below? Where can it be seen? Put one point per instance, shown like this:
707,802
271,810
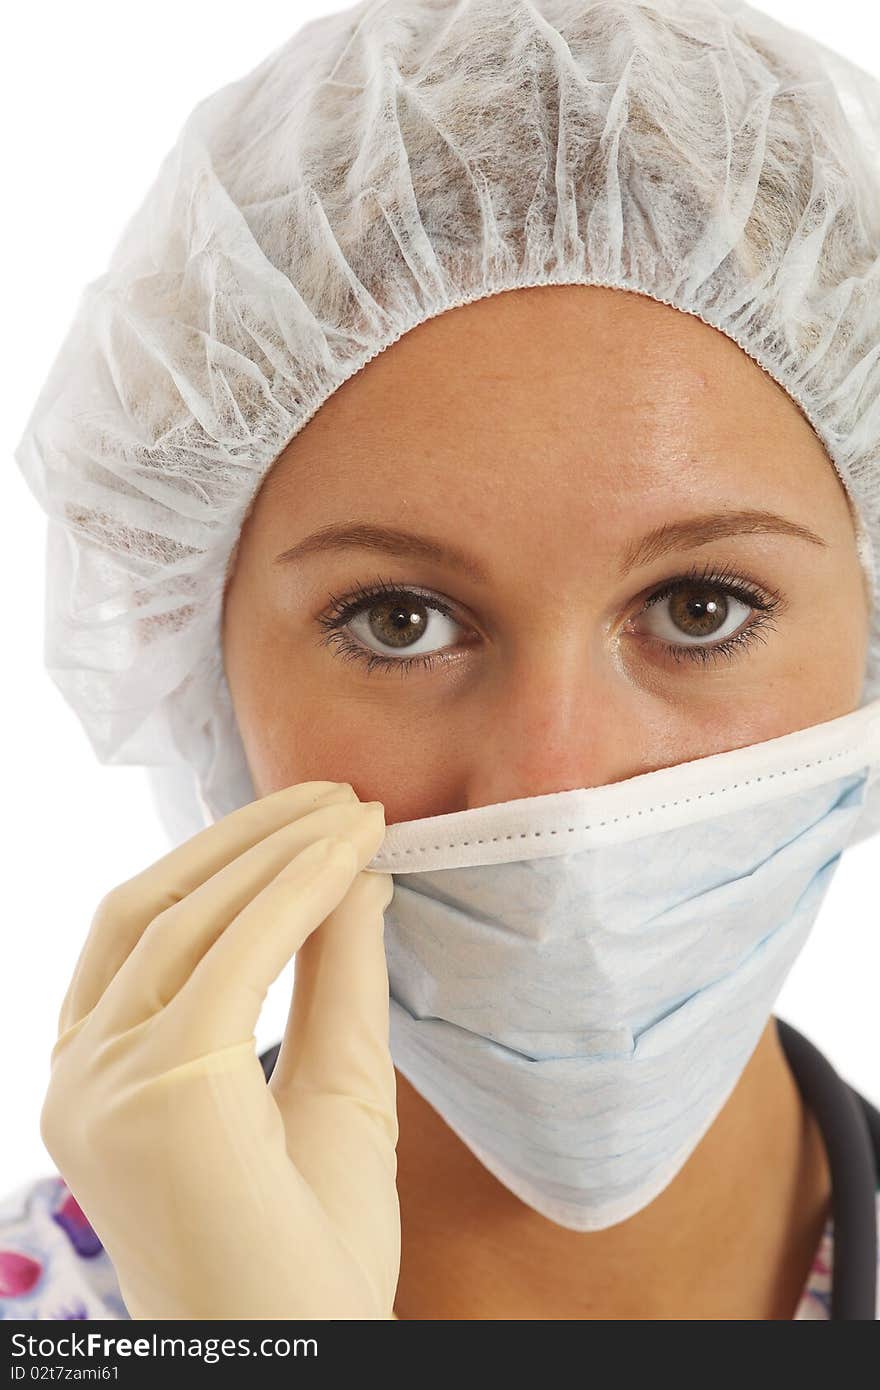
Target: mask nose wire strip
847,1140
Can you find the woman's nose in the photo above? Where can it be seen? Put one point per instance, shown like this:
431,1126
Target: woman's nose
563,723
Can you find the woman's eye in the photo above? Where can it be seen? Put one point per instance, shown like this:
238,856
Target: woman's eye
409,625
391,627
694,615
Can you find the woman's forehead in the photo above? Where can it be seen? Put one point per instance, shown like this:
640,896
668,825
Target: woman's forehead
534,416
590,378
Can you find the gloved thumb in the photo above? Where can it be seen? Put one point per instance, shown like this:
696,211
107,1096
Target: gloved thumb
334,1079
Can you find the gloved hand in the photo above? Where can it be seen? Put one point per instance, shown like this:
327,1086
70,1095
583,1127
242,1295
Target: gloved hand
216,1195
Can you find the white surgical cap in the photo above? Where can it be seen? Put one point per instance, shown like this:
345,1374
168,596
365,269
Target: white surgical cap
387,163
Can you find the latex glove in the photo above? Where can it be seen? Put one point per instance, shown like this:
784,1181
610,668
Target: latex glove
215,1194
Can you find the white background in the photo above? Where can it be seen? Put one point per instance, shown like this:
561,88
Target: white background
94,95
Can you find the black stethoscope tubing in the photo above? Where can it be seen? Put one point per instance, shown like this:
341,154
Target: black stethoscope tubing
850,1129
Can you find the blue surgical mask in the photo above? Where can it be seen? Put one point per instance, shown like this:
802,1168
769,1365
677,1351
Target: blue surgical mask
578,980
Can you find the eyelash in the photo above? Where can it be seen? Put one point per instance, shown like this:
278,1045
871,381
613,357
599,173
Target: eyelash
726,580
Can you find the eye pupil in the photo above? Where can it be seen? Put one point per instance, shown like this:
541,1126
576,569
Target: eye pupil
393,620
698,610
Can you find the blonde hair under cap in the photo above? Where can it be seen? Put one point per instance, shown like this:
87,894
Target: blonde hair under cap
387,163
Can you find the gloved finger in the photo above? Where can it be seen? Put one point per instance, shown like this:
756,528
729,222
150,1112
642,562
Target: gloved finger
220,1003
174,943
125,912
334,1078
336,1038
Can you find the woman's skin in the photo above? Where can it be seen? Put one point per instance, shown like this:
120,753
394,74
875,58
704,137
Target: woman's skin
544,433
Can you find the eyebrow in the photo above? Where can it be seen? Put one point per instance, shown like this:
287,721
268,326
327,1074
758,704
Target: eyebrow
678,535
388,540
700,530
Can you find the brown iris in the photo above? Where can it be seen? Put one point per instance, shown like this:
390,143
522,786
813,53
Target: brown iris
698,610
393,621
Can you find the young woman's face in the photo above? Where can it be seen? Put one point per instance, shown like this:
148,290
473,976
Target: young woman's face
578,588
